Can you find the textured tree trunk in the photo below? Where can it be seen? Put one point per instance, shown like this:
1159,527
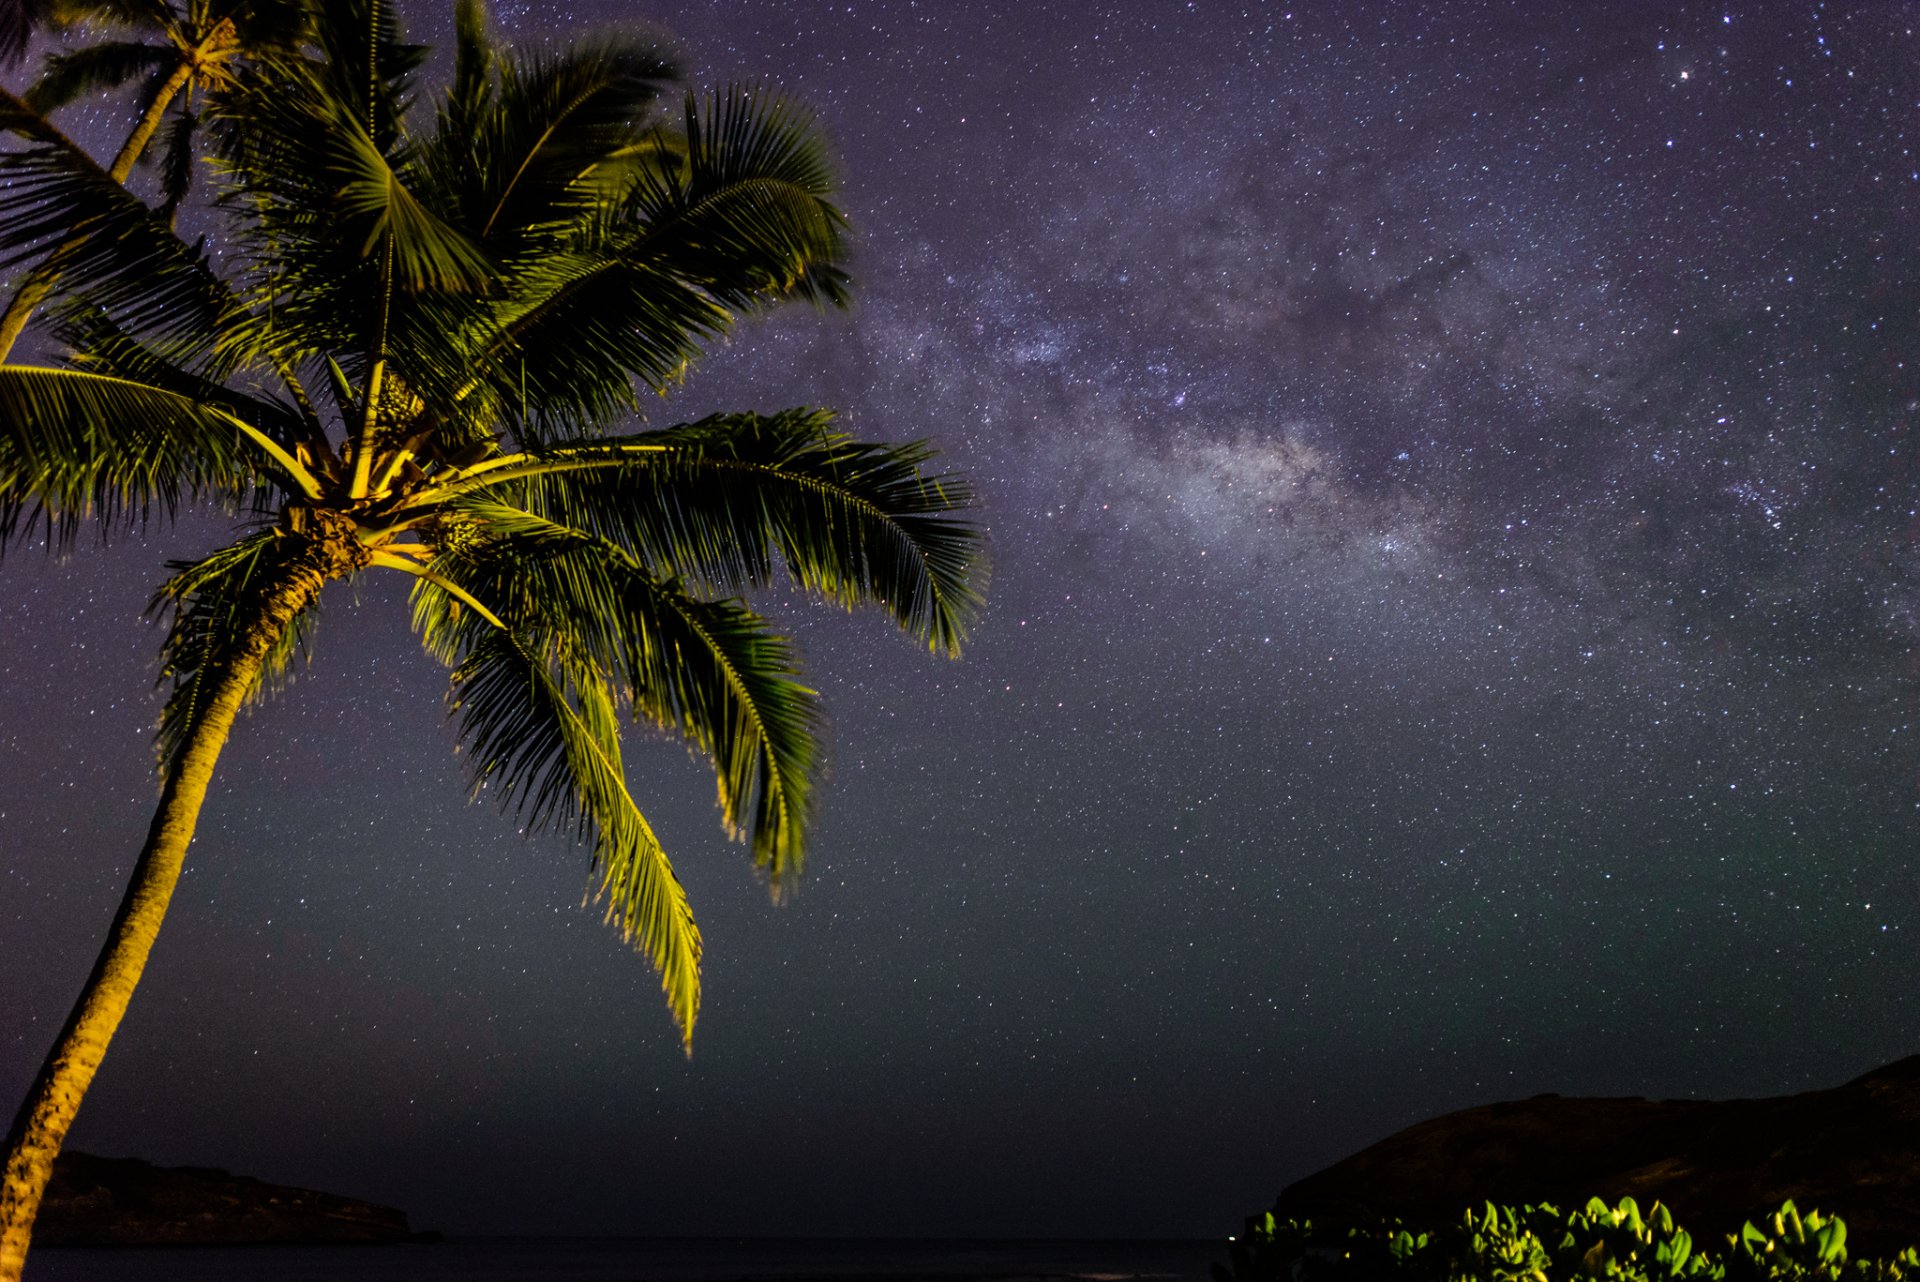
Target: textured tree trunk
40,281
41,1125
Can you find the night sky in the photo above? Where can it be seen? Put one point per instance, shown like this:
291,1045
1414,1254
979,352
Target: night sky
1454,634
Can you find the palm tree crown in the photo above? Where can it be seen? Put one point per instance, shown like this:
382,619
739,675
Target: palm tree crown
413,347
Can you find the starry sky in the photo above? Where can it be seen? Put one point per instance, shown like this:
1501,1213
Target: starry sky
1451,478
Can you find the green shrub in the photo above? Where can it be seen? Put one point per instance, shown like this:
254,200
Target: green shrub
1539,1244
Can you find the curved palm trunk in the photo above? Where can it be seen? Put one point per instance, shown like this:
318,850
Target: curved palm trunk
42,1123
41,280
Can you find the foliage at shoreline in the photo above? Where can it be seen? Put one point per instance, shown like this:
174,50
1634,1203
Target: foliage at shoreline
1538,1243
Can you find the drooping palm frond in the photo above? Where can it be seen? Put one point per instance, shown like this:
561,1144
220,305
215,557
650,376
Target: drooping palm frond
63,15
748,215
109,245
95,345
204,601
720,500
78,446
176,161
20,18
540,730
16,27
708,671
94,68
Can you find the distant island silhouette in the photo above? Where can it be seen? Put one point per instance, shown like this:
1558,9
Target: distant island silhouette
1852,1150
105,1201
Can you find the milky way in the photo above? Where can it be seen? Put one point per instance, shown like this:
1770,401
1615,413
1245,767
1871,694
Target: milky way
1457,582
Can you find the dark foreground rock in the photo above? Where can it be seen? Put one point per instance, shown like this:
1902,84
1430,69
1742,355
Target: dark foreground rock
1853,1151
103,1201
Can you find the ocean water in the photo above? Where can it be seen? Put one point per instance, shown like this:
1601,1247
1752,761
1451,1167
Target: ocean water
642,1260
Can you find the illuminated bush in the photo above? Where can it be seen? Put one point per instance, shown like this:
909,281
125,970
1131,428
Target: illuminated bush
1541,1244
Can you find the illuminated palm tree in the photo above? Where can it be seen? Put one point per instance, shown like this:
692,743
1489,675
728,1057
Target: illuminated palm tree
415,354
183,57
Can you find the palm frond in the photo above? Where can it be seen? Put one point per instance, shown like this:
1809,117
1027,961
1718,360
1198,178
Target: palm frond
469,95
366,65
20,18
317,194
718,501
176,161
736,219
568,366
94,68
748,215
96,345
203,601
266,29
375,205
541,732
55,199
123,15
708,671
80,446
16,27
526,165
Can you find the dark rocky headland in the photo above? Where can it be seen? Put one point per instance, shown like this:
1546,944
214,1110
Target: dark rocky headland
1853,1150
104,1201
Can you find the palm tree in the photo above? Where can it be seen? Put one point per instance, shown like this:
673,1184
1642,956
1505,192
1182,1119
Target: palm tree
186,52
416,353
